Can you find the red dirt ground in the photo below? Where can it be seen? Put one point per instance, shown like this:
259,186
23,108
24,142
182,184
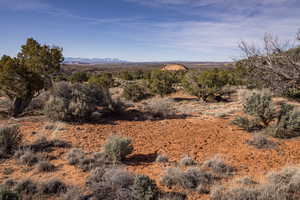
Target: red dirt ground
195,136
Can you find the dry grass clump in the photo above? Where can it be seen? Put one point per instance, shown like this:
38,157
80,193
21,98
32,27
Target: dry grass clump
172,196
27,157
281,185
187,161
218,166
26,186
117,184
87,162
10,139
53,187
261,142
45,166
160,109
73,194
74,156
192,179
246,181
162,159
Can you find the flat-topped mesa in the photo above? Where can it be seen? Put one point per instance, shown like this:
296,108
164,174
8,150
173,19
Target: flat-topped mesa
174,67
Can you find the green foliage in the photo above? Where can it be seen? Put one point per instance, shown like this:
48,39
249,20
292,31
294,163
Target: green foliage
79,77
261,107
132,75
209,84
10,139
144,188
134,92
103,80
293,93
161,82
23,77
73,102
284,123
247,124
288,123
117,148
6,194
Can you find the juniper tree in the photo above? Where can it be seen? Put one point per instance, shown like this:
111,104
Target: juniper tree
23,77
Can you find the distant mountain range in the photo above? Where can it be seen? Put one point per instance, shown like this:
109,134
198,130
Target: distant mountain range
70,60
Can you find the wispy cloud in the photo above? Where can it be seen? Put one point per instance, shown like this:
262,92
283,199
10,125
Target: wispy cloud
43,6
212,38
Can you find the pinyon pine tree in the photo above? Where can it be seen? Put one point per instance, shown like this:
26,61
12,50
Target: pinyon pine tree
23,77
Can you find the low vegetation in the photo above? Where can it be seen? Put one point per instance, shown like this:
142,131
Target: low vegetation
117,148
10,140
280,185
209,85
284,123
73,102
134,92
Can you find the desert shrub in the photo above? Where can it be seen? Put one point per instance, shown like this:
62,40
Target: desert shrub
26,186
160,109
28,157
172,196
208,85
247,124
187,161
96,176
246,181
10,139
218,166
118,178
161,82
261,142
103,80
144,188
293,93
284,123
6,194
73,194
162,159
52,186
117,148
124,193
74,156
261,107
192,179
134,92
171,177
73,102
45,166
132,75
280,185
26,75
288,123
235,194
126,75
79,77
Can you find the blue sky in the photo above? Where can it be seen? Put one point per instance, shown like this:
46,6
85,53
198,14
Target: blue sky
146,30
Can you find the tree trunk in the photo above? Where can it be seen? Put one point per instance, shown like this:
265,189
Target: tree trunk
19,104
